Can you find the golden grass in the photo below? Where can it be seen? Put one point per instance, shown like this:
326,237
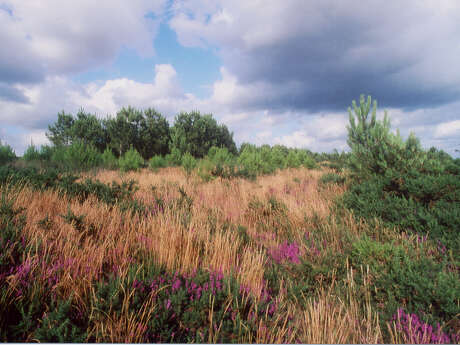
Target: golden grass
163,239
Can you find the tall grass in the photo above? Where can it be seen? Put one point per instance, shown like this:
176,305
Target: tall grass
233,227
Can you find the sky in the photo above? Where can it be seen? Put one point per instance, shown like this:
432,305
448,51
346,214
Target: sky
275,72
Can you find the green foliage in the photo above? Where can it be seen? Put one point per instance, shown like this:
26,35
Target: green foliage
109,161
76,157
196,134
61,324
7,154
183,305
188,163
90,130
157,162
131,160
147,131
400,183
374,148
60,133
401,278
332,178
219,162
292,160
412,202
174,158
251,163
31,154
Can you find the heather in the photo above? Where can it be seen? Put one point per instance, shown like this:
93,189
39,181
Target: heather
210,243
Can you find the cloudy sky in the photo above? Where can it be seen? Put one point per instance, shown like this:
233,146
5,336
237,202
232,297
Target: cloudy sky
272,71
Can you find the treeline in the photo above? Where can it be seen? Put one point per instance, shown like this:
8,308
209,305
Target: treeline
147,131
136,138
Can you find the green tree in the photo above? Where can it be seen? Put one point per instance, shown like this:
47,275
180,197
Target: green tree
374,148
61,132
89,129
196,134
6,154
153,134
147,131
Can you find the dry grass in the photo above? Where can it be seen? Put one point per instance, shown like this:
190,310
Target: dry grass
163,239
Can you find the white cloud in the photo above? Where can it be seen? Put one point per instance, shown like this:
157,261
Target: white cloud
49,37
295,139
448,129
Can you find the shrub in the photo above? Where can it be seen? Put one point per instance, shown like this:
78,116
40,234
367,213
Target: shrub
109,160
46,152
76,157
403,278
306,160
188,163
293,160
174,158
332,178
220,162
131,160
31,154
157,162
7,154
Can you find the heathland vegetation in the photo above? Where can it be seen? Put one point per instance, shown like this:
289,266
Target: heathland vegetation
127,229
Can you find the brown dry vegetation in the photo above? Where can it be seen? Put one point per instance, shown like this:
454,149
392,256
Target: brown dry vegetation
202,243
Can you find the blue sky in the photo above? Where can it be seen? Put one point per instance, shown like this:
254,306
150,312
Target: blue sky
275,72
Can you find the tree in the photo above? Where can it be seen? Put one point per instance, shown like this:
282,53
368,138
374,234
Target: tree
196,134
61,132
89,129
374,148
154,134
147,131
120,131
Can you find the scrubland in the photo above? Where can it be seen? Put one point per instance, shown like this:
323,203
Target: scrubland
270,260
209,244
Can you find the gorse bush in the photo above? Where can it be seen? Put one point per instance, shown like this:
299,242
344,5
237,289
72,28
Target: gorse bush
7,154
131,160
401,277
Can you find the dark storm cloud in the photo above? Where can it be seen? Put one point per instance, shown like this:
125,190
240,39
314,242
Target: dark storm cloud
405,54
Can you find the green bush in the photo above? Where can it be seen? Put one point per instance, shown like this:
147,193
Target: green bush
188,163
108,159
7,154
131,160
76,157
219,163
157,162
293,160
332,178
306,160
401,278
398,182
174,158
31,154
